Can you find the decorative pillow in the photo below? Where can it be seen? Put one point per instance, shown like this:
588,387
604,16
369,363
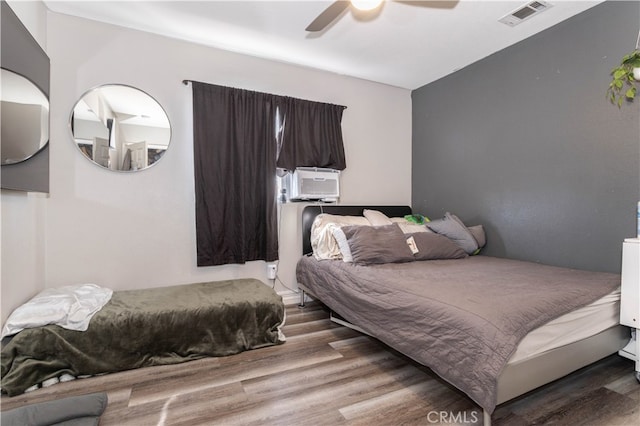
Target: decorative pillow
431,246
417,218
323,243
478,233
377,244
452,227
376,218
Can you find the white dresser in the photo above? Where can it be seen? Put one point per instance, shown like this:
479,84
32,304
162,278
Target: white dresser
630,301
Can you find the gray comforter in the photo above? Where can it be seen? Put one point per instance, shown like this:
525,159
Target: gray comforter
463,318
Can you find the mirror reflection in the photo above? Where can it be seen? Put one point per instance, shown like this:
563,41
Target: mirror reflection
24,117
120,127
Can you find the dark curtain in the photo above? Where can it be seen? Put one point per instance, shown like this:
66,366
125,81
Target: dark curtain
235,164
312,135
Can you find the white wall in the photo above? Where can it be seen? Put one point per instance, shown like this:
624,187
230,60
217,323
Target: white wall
33,15
23,214
129,231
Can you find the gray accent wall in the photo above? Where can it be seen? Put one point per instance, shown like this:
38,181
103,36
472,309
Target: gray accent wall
526,143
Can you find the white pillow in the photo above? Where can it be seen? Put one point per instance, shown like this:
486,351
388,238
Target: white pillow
376,218
409,227
323,242
70,307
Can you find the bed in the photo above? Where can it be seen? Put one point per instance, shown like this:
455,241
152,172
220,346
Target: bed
494,328
140,328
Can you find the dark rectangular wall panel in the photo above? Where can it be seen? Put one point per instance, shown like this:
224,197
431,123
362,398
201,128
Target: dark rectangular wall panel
22,54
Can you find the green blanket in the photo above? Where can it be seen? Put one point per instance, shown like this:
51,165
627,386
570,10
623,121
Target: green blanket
140,328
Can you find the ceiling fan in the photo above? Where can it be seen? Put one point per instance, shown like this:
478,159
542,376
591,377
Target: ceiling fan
336,9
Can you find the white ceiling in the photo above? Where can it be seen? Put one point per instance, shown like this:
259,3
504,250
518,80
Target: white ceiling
401,45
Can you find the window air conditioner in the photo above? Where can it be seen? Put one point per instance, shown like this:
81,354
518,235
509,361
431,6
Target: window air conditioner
311,183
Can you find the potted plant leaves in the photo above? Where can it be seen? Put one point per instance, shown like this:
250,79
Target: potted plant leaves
626,78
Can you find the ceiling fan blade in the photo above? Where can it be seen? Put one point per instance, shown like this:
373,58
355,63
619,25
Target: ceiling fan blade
328,15
436,4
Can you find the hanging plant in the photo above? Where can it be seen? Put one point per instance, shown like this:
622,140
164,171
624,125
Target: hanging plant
624,85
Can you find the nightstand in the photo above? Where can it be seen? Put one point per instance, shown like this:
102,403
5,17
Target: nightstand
630,299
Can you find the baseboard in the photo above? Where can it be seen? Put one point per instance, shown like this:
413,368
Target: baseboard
292,298
289,297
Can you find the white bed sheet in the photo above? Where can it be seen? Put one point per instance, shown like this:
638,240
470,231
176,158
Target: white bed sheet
569,328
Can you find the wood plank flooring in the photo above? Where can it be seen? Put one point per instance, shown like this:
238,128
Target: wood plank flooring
327,374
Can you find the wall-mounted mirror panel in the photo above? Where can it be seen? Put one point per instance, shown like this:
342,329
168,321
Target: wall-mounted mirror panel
120,127
24,117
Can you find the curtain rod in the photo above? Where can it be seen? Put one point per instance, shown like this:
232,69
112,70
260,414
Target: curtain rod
186,83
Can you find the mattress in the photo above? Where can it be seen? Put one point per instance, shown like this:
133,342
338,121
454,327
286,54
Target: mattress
140,328
463,318
577,325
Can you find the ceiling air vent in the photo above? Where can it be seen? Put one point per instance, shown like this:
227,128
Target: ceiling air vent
525,12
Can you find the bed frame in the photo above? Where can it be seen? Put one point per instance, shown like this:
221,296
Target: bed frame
517,378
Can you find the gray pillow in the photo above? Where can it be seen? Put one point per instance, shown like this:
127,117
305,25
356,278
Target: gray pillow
377,244
431,246
82,410
452,227
478,233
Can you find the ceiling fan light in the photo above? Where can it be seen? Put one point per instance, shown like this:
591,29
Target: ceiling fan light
366,4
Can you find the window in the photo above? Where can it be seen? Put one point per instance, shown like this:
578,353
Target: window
240,137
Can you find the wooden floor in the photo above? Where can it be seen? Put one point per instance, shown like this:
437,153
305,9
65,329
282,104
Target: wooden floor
326,374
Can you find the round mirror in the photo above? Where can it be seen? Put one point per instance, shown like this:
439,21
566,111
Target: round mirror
120,127
24,118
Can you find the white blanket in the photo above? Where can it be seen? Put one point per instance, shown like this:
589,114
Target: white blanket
70,307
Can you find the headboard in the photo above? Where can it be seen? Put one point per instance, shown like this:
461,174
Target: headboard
310,212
